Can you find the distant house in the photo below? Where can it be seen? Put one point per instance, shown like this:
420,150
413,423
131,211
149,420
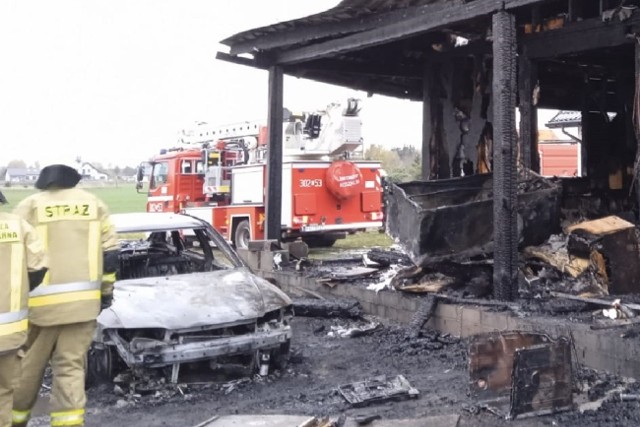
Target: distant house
21,175
90,172
560,155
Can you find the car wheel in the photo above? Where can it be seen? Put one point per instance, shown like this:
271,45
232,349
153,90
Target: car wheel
242,235
280,356
100,365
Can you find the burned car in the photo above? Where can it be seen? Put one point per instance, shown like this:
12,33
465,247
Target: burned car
184,299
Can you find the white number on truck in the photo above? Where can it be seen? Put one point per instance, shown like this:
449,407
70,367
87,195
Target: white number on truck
306,183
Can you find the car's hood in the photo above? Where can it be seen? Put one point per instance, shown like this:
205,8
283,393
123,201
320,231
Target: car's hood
191,300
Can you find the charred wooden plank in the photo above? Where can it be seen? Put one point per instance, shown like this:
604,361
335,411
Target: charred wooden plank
596,301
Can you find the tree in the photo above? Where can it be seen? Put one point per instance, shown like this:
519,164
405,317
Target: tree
17,164
401,164
389,159
129,171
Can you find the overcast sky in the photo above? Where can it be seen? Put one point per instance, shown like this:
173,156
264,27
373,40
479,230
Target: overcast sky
113,81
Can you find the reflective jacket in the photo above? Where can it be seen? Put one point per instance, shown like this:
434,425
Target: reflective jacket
75,229
20,252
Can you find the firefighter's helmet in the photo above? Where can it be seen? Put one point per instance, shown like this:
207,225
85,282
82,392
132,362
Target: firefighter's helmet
57,176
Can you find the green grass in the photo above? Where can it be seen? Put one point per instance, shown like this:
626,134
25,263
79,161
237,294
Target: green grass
120,199
368,239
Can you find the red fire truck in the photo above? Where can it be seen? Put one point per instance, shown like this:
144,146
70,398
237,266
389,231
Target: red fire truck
219,174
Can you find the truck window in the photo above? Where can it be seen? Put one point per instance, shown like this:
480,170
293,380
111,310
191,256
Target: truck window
159,175
186,166
199,167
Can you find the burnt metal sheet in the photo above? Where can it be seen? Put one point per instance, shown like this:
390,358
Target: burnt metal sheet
521,374
448,217
377,389
491,361
191,300
542,380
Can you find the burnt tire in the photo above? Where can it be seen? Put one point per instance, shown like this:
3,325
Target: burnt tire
280,356
102,365
320,242
242,235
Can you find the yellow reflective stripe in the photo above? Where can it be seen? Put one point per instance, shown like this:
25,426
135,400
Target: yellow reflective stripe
94,250
68,418
17,271
12,328
20,416
63,298
43,233
109,278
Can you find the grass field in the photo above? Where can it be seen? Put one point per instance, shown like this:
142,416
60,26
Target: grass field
124,198
120,199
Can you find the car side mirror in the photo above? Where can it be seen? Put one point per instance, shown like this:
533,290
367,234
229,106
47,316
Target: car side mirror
139,178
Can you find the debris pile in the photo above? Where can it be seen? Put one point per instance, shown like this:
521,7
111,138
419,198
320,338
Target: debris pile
593,258
377,389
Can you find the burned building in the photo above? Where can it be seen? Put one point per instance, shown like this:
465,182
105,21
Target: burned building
472,64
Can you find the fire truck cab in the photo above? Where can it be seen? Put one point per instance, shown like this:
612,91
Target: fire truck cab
219,175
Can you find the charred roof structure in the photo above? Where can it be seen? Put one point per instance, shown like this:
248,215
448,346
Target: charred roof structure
472,63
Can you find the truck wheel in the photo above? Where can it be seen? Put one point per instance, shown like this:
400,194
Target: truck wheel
319,242
242,235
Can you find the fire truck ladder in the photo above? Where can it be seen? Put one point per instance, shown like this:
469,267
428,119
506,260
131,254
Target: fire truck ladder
236,130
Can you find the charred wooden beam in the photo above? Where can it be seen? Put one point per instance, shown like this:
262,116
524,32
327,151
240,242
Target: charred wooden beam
505,233
423,20
528,113
451,77
582,36
472,49
477,115
427,124
438,155
239,60
574,10
398,88
636,124
373,69
274,154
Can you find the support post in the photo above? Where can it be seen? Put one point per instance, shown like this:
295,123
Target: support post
427,126
274,154
636,124
528,113
505,233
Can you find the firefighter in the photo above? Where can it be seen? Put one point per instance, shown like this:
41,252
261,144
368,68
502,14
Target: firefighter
81,242
22,267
